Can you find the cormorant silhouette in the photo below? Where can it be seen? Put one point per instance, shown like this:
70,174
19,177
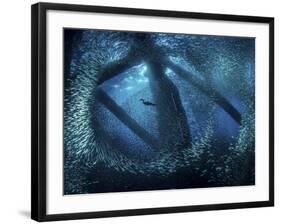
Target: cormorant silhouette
147,103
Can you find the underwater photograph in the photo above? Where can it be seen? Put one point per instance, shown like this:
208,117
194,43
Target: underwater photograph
157,111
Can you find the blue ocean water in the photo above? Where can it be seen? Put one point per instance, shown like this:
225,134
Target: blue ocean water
152,111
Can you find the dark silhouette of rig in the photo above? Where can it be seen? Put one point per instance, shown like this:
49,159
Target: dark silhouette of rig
166,98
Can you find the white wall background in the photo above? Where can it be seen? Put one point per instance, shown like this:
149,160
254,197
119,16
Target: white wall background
15,110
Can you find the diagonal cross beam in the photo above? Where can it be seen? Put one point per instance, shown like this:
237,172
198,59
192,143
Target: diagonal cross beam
203,87
126,119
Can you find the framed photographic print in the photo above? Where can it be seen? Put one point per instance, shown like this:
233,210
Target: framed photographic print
138,111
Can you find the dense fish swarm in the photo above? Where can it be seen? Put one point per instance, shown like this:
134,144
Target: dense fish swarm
225,62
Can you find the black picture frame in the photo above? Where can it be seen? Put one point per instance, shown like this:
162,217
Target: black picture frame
39,122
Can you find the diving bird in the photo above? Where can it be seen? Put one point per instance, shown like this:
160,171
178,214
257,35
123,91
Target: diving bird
147,103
